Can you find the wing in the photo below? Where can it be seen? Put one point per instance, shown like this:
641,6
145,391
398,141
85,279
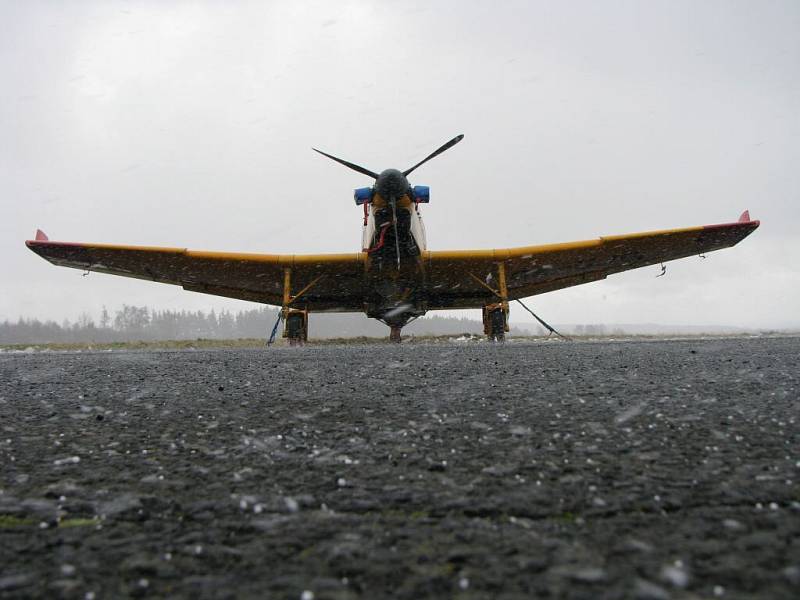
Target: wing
334,282
465,279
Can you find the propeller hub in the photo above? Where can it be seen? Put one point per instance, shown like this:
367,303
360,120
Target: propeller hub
392,183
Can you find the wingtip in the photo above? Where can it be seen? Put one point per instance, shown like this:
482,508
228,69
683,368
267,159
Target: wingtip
744,219
40,237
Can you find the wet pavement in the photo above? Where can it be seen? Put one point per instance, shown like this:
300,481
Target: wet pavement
651,470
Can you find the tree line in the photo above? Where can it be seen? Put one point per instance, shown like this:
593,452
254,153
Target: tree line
134,323
142,323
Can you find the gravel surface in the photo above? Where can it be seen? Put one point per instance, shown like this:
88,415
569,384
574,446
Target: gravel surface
645,470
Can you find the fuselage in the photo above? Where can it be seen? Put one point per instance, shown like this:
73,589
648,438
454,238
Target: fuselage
393,236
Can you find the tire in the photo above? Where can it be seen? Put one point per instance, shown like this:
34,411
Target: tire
294,328
498,325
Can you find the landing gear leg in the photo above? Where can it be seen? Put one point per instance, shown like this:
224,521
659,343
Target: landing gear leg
495,316
295,319
394,334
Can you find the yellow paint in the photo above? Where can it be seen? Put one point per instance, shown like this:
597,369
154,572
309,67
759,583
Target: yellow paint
644,234
361,257
305,289
379,201
287,287
501,275
518,252
404,202
289,260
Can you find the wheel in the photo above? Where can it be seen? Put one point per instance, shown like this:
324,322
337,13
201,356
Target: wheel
294,329
498,325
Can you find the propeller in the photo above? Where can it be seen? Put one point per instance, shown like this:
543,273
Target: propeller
367,172
436,153
353,166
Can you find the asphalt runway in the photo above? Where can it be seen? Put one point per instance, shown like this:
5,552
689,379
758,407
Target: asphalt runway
652,470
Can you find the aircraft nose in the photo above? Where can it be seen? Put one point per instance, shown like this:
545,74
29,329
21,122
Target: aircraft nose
391,183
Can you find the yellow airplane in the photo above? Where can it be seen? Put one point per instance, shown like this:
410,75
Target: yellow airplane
394,278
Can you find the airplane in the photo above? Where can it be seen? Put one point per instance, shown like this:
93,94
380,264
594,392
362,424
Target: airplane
394,278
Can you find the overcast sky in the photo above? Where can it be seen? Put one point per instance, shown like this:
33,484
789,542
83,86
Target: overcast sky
190,125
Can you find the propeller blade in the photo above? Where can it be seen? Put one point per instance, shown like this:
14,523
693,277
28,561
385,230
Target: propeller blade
447,146
355,167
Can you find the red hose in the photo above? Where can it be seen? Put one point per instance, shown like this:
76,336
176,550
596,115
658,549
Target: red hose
381,239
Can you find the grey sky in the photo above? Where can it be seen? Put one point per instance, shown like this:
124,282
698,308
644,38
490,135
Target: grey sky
190,125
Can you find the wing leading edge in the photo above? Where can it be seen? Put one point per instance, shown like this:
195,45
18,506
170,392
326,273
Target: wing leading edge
465,279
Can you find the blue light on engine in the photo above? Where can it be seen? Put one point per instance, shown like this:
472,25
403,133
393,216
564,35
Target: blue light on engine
363,195
422,193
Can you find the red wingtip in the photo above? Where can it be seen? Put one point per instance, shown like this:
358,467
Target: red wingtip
745,217
41,236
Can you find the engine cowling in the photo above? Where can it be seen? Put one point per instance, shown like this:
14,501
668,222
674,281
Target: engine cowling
422,193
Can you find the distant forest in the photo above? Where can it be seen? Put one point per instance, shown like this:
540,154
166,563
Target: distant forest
142,323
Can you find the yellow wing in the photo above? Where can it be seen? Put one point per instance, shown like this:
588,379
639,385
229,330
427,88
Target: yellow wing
337,282
466,279
334,282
